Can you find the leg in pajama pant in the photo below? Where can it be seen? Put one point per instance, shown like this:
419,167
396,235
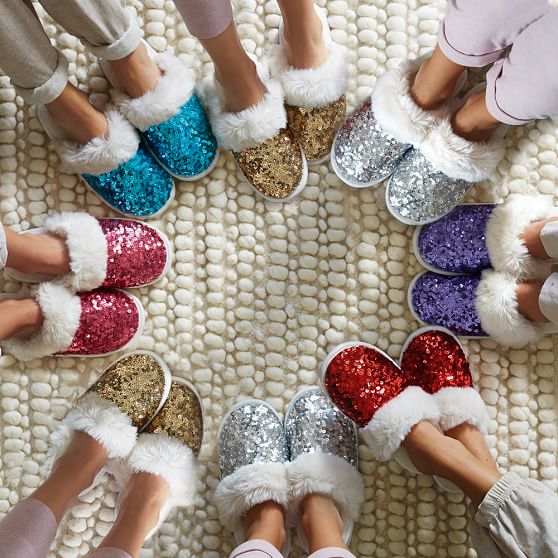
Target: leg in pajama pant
205,19
548,300
37,70
263,549
522,86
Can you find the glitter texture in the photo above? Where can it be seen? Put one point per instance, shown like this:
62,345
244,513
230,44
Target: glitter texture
435,360
360,380
251,433
315,128
448,302
313,425
139,187
274,167
418,193
136,253
184,144
109,320
181,417
135,384
457,242
363,153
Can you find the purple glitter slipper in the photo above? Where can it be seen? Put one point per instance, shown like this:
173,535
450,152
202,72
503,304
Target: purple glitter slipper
474,306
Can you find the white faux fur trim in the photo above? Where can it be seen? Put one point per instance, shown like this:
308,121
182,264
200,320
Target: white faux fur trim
506,250
99,419
313,87
460,405
102,154
395,109
250,127
392,423
174,88
87,248
553,2
496,305
61,311
247,487
459,158
330,475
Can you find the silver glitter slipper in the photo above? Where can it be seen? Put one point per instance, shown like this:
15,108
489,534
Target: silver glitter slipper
323,445
252,461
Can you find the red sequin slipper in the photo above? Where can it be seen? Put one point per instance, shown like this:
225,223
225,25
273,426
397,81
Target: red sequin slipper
90,324
371,389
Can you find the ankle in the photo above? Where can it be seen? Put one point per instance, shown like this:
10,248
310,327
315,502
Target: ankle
242,85
531,238
424,95
528,295
321,523
266,522
304,41
472,121
20,318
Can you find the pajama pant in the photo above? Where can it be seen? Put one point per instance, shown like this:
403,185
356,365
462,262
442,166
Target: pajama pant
523,85
205,19
37,70
548,300
263,549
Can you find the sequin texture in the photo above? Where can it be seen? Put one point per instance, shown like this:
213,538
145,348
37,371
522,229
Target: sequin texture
251,433
274,167
314,425
136,253
363,153
448,302
360,380
135,384
109,320
435,360
184,144
315,128
181,417
457,242
418,193
139,187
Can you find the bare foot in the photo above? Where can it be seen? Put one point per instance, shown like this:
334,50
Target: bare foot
528,295
531,237
304,41
471,437
473,121
19,318
321,523
266,521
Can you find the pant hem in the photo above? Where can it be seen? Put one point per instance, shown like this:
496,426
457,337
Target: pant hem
549,239
123,46
332,552
498,495
548,299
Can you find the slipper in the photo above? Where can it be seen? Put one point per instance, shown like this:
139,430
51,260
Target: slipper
253,454
475,237
89,324
117,168
475,306
171,119
323,446
105,252
315,97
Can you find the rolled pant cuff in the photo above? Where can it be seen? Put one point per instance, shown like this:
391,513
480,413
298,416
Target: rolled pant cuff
332,552
3,248
548,299
498,495
256,548
549,238
123,46
51,89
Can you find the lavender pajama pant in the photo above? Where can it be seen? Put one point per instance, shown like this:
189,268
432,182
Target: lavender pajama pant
263,549
522,85
205,19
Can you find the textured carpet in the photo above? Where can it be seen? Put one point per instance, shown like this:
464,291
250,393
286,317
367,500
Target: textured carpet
260,292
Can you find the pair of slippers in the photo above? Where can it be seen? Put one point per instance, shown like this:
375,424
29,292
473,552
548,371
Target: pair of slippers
429,166
85,313
476,259
262,458
147,420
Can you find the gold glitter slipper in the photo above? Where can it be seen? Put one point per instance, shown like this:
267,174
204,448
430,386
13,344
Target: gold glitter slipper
315,97
169,447
265,149
123,401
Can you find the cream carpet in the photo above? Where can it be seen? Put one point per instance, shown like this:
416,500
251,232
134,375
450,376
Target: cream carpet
260,292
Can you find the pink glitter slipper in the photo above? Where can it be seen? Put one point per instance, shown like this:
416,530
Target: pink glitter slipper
105,252
90,324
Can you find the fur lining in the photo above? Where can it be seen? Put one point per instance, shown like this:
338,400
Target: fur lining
247,487
250,127
101,420
330,475
61,311
460,405
496,305
174,88
395,109
459,158
87,248
392,423
506,250
553,3
313,87
102,154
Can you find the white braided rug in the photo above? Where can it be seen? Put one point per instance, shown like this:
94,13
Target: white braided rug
260,292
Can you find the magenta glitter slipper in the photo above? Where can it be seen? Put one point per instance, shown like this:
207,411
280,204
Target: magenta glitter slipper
90,324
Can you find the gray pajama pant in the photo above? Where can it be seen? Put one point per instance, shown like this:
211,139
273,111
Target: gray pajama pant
37,70
548,300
